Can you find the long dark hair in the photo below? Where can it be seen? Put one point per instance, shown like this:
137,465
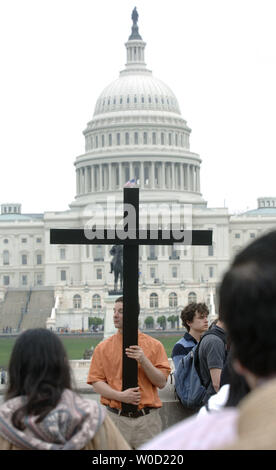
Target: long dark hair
239,388
39,370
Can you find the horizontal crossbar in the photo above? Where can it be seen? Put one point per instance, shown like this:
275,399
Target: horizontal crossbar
140,237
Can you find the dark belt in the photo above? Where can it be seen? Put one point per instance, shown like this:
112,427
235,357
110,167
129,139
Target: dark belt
131,414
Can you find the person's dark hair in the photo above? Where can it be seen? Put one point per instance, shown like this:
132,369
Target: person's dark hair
39,370
238,387
248,305
188,313
121,299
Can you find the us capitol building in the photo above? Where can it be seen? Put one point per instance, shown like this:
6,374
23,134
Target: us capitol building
137,132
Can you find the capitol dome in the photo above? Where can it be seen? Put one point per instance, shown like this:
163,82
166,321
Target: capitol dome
137,133
136,91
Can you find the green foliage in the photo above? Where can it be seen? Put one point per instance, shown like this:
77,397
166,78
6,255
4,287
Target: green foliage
95,321
173,319
162,321
149,322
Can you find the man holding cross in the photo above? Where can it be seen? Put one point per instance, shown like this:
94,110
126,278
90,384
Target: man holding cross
138,350
105,374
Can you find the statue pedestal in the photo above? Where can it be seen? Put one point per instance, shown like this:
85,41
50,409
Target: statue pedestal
109,328
51,323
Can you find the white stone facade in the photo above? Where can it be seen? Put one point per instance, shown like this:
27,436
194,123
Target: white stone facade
137,131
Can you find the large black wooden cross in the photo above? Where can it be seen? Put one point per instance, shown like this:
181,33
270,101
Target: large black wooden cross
134,237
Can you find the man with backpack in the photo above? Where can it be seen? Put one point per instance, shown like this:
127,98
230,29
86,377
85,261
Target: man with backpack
197,374
195,319
212,353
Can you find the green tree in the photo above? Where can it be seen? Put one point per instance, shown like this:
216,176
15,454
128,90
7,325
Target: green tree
173,319
149,322
95,321
162,321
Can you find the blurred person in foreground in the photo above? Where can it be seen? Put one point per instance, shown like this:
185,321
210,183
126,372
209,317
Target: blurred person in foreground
248,304
214,425
41,411
248,310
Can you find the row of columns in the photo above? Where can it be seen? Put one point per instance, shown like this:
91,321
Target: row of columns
136,138
149,175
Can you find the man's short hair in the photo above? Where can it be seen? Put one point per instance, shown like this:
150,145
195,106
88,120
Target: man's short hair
248,305
188,313
121,299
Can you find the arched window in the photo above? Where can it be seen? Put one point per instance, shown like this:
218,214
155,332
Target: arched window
172,299
77,301
6,257
153,300
96,301
191,297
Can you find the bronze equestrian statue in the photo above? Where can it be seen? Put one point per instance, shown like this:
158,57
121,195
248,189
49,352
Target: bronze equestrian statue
116,266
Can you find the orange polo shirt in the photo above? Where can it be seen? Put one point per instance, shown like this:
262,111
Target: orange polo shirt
106,366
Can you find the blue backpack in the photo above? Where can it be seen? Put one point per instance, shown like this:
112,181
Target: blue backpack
186,343
188,383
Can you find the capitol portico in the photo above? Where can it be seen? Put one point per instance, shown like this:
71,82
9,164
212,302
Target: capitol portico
137,132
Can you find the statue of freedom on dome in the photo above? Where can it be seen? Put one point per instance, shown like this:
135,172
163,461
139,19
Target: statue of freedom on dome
134,16
134,29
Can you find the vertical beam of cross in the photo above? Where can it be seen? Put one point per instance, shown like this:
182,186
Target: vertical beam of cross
131,299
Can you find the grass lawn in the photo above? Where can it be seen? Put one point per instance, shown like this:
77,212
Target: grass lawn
75,347
6,345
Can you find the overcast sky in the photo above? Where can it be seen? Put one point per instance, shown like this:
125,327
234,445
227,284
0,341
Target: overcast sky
218,57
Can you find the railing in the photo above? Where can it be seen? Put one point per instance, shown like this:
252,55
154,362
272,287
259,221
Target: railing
24,310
